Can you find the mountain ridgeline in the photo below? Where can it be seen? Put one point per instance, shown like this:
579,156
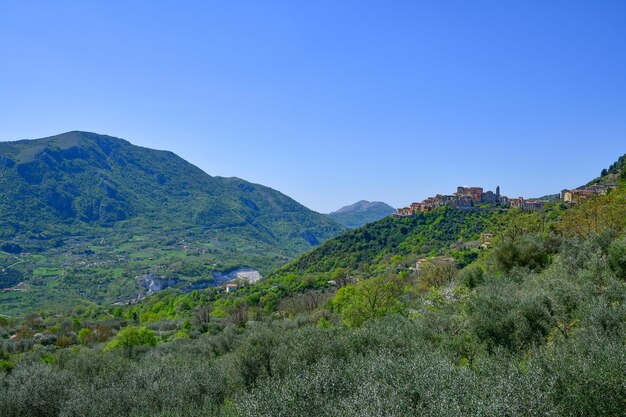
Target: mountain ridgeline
86,199
101,180
361,212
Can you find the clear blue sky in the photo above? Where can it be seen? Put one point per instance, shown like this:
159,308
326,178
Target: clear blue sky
334,101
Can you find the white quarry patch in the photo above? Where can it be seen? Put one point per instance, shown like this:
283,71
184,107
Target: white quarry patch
246,274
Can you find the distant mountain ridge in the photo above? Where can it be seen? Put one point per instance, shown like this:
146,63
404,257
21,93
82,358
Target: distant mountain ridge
98,179
79,195
361,212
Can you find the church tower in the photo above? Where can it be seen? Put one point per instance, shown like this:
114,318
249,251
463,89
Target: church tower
498,191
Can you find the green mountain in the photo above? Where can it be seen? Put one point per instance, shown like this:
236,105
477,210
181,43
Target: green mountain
83,214
381,246
360,213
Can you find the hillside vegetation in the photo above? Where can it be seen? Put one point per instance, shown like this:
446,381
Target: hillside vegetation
83,214
481,313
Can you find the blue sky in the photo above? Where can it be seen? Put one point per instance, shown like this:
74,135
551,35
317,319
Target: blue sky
331,102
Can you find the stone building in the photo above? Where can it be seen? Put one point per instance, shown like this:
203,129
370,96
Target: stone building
581,193
489,197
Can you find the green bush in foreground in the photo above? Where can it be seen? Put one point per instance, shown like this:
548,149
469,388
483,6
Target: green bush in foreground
130,337
527,341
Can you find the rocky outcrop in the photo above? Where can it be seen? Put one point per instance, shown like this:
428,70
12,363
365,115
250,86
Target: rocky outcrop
151,283
155,283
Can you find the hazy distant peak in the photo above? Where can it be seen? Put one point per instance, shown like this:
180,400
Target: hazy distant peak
363,205
361,212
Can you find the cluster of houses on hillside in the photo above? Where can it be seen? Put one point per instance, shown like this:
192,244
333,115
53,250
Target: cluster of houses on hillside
19,287
581,193
522,203
470,197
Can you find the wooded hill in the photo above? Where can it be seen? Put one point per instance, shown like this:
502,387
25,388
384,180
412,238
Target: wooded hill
83,214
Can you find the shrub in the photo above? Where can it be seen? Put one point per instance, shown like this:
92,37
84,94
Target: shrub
617,257
369,299
527,251
503,315
130,337
472,276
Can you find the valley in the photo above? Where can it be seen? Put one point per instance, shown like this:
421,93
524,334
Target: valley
195,217
235,320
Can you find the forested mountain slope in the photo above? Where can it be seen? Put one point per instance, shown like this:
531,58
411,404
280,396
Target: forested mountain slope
84,213
417,235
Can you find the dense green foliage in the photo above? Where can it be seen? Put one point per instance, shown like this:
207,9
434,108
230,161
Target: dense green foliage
529,319
83,214
370,248
130,337
360,213
547,341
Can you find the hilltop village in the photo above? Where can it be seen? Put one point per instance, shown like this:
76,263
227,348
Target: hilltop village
475,197
465,198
